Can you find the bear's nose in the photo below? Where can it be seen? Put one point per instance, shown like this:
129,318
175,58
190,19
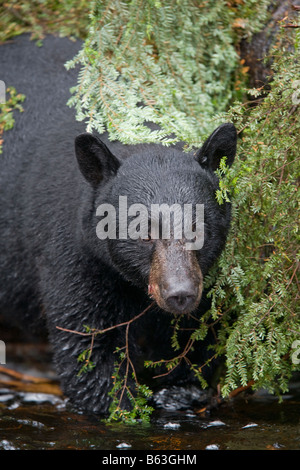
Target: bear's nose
181,300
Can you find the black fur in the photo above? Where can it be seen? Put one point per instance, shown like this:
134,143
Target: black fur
51,260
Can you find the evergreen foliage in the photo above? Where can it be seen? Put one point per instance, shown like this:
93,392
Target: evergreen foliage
12,103
172,63
39,17
256,292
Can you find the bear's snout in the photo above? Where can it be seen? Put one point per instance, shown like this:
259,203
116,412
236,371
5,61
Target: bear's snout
175,280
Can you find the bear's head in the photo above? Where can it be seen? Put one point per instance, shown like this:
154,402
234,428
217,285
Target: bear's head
154,216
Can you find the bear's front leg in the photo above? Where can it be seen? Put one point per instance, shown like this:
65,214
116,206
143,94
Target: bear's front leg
86,388
72,302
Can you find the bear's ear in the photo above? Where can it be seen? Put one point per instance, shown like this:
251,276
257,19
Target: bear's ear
95,160
221,143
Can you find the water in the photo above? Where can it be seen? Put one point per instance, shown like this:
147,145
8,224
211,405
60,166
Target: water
32,420
40,421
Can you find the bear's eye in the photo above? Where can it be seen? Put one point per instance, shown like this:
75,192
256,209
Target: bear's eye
148,239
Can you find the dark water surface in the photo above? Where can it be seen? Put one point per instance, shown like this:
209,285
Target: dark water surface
30,420
38,421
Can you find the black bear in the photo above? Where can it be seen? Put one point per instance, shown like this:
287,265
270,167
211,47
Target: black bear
70,256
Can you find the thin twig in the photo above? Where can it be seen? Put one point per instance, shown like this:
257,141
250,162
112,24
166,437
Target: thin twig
129,363
97,331
177,358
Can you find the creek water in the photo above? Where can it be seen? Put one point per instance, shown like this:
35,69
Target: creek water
40,421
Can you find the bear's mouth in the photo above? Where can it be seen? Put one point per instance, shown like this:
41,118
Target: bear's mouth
175,280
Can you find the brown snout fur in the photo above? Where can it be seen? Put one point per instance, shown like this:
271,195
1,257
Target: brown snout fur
175,274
